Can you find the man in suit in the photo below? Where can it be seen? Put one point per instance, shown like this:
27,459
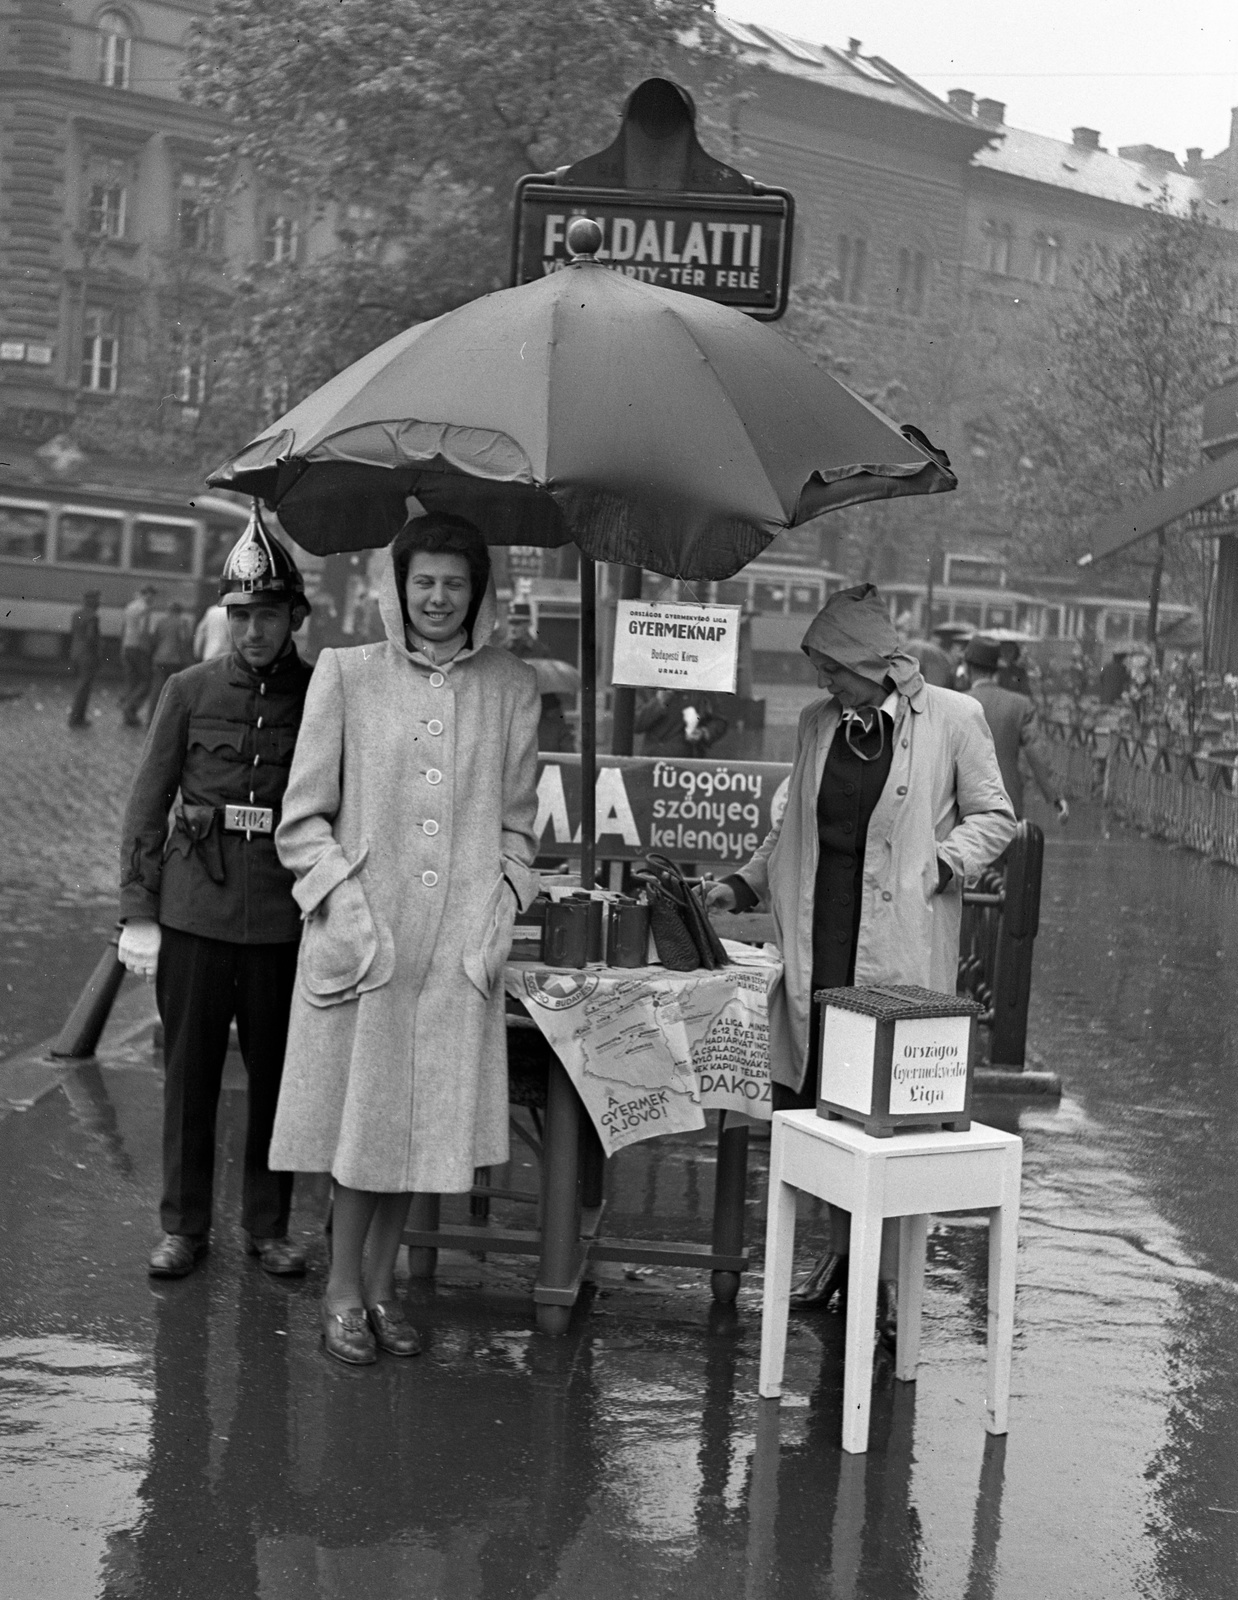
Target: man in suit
1012,722
84,651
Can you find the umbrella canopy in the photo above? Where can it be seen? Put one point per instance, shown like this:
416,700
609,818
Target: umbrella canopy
554,676
652,428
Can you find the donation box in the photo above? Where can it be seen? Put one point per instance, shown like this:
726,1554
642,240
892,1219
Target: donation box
896,1057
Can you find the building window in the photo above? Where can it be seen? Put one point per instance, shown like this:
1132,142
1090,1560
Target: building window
848,285
280,239
105,218
998,239
1046,258
193,213
912,280
189,365
115,43
101,351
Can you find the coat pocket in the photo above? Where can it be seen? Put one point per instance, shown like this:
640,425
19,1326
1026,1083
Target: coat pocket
343,952
487,951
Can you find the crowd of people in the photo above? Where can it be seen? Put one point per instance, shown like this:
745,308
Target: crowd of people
334,859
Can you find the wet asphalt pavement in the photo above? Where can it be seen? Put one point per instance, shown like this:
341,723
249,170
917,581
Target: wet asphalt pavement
190,1440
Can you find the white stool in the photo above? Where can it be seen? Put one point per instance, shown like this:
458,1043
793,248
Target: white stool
907,1176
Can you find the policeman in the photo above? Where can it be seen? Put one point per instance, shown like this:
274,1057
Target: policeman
207,908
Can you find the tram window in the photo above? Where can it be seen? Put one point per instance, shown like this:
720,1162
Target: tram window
770,596
805,598
92,540
1117,625
731,592
969,614
220,537
23,532
1000,617
1139,628
162,547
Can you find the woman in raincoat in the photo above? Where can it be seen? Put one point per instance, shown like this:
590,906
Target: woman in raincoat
408,821
894,800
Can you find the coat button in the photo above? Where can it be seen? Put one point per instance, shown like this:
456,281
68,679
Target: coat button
434,776
886,895
902,789
905,742
429,879
437,680
429,826
434,725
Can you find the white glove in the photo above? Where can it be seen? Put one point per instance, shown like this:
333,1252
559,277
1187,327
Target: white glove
1063,810
139,947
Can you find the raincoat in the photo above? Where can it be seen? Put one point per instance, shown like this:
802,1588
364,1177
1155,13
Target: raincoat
944,798
408,821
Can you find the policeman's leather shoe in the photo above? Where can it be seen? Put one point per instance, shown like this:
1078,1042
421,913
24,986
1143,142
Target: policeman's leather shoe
346,1336
278,1256
393,1331
175,1256
827,1279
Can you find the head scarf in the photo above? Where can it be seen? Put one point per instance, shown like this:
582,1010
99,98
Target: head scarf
854,629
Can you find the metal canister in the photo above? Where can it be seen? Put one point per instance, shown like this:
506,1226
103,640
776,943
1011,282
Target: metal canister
565,935
627,934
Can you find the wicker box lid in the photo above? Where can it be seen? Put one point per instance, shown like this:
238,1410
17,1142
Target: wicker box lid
895,1002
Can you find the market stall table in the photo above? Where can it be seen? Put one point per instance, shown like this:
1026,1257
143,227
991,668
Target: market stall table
643,1051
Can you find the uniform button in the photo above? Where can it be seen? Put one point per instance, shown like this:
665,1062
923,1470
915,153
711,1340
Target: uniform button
902,789
262,688
259,724
257,761
886,895
437,680
429,826
434,725
429,879
434,776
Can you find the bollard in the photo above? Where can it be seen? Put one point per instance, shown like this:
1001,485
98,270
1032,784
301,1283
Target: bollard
79,1036
1016,937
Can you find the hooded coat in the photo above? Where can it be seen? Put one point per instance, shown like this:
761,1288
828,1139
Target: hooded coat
408,822
944,799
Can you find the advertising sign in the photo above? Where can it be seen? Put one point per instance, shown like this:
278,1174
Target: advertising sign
734,249
680,646
712,812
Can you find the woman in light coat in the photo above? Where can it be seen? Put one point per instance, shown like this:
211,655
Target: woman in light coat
895,798
408,821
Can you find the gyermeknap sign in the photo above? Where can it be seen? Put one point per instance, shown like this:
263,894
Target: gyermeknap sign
676,646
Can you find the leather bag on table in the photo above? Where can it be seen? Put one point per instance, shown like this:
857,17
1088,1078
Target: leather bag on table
682,932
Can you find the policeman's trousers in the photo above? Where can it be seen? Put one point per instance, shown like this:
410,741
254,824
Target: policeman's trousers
200,986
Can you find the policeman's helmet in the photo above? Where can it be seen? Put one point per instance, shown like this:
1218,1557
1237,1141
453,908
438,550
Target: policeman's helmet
259,568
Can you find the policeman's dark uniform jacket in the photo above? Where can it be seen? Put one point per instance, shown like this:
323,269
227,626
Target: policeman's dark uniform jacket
223,735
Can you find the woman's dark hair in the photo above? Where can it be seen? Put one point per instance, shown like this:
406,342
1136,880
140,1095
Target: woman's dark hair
440,531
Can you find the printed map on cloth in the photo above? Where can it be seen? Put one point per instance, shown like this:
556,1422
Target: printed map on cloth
648,1050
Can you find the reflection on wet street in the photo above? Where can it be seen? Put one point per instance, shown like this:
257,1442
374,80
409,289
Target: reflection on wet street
190,1440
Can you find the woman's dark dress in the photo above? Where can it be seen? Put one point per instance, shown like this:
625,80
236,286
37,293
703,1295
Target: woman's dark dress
849,792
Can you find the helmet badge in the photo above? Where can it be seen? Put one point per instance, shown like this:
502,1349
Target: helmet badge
249,560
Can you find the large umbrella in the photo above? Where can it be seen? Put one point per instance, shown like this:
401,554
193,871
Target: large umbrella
652,428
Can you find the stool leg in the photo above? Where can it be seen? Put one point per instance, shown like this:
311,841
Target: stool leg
862,1311
779,1250
1003,1254
912,1250
730,1192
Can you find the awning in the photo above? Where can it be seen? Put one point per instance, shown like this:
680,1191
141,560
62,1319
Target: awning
1134,522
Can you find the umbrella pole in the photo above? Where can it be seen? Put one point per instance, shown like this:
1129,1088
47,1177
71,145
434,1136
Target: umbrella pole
588,722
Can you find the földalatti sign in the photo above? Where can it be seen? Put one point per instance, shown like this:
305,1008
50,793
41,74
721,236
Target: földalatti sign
734,249
676,646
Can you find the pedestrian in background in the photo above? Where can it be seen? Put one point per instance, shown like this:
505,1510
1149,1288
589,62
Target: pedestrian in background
1012,722
1012,671
554,731
85,647
212,637
409,824
208,909
894,799
681,723
172,651
936,667
135,653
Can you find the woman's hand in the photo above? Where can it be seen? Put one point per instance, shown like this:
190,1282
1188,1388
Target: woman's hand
719,897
